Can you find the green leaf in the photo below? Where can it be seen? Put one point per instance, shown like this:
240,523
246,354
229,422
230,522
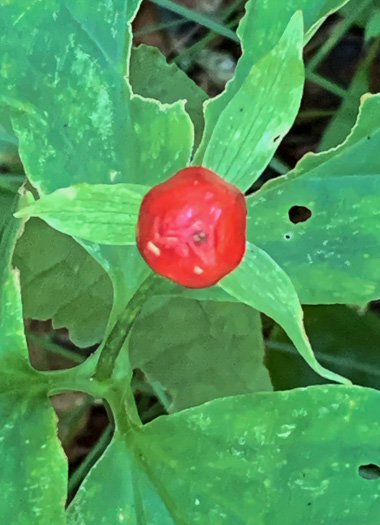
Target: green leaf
265,22
199,350
250,128
164,139
334,256
13,349
108,27
372,29
79,121
75,116
62,282
259,282
344,119
343,338
102,213
259,32
152,77
243,460
33,466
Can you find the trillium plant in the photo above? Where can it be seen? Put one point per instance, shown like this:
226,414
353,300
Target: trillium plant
139,227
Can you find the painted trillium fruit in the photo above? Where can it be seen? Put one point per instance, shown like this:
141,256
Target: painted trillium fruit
192,227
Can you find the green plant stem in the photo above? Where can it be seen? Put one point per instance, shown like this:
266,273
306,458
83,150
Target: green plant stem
80,473
73,419
339,30
200,45
279,166
160,27
122,328
328,360
372,52
326,84
315,113
53,348
198,18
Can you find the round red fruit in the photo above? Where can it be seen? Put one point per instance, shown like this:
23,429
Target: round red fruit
192,227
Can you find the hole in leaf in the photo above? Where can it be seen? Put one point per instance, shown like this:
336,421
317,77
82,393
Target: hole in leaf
370,471
276,138
299,214
288,236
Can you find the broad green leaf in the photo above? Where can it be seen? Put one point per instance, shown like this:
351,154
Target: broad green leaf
164,139
126,269
250,128
152,77
245,460
334,256
62,282
13,349
343,338
259,32
264,22
199,350
107,27
79,121
33,467
259,282
372,29
75,116
102,213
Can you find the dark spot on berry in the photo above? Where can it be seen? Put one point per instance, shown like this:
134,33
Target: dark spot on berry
199,237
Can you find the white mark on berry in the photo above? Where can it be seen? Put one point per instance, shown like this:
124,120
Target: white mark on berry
209,195
151,247
198,270
215,213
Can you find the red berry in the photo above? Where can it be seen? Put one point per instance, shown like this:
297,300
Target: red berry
192,227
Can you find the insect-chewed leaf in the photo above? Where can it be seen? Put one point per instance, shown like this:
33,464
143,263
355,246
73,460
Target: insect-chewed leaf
320,222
